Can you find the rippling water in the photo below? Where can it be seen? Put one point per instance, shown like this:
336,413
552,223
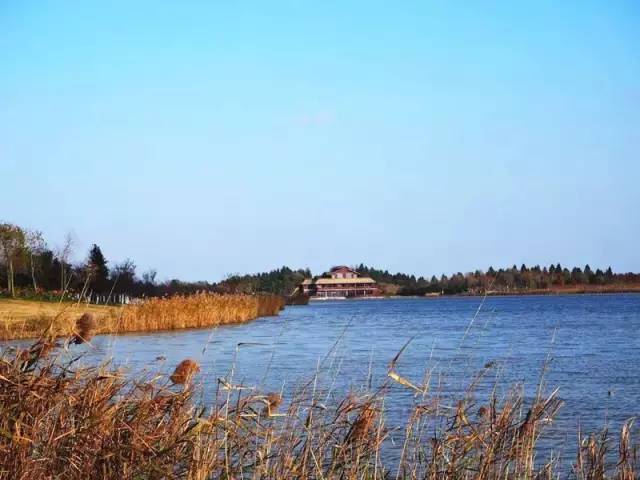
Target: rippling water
593,342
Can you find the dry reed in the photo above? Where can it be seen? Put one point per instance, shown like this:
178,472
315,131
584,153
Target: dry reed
59,420
195,311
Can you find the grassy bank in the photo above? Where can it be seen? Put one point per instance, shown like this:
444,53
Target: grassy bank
28,319
58,420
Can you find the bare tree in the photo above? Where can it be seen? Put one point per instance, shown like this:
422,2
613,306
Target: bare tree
64,254
35,246
12,248
150,276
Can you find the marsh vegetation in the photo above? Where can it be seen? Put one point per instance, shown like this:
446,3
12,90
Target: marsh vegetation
59,419
29,319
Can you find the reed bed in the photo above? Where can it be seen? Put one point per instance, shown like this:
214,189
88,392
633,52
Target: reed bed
59,420
195,311
24,319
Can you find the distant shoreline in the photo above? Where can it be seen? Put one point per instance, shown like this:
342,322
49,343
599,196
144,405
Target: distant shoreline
554,291
525,293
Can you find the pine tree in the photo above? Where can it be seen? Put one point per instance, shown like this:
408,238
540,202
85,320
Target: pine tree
589,275
608,273
98,270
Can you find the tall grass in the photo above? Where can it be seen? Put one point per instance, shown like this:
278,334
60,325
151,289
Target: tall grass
58,420
194,311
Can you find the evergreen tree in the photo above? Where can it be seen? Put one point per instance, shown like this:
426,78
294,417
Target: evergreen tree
98,271
577,276
588,274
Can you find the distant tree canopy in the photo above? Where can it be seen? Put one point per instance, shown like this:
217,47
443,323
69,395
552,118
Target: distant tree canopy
30,267
282,281
504,280
13,249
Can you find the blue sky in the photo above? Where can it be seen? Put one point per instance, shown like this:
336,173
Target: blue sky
206,138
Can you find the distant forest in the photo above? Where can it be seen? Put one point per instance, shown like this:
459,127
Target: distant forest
29,267
503,280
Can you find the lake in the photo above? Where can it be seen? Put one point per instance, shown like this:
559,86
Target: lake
592,341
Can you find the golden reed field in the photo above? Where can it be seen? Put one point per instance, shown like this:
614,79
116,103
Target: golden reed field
29,319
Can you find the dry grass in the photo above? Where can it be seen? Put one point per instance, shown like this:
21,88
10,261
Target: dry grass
58,420
196,311
28,319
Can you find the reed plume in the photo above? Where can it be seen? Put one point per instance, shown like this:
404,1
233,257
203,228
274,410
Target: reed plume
85,328
272,402
184,372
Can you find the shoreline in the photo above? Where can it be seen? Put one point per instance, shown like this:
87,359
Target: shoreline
537,293
551,292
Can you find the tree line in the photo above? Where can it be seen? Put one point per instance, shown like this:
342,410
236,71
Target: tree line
284,280
281,281
514,279
30,267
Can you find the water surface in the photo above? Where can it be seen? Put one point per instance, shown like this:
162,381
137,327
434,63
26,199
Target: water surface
592,342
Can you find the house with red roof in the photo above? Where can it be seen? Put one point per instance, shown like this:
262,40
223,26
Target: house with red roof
340,282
